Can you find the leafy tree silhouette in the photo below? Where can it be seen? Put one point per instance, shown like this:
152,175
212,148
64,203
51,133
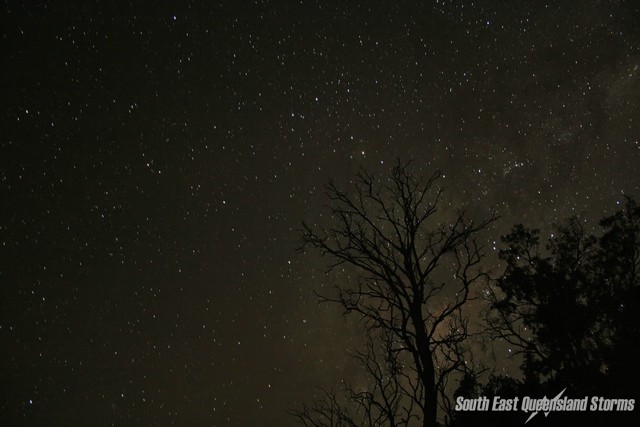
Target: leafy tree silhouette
571,310
618,270
547,310
416,328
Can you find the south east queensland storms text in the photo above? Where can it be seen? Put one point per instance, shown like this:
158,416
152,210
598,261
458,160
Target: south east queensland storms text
527,404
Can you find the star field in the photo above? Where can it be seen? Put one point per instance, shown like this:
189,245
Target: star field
157,161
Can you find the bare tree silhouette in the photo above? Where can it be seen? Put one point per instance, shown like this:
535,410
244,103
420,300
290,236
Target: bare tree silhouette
415,278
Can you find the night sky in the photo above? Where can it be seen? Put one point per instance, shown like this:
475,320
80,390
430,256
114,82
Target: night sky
157,161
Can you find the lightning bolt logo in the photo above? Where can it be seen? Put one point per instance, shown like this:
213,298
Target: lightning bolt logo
546,413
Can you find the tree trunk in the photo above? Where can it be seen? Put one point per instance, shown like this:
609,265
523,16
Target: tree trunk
430,395
427,372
